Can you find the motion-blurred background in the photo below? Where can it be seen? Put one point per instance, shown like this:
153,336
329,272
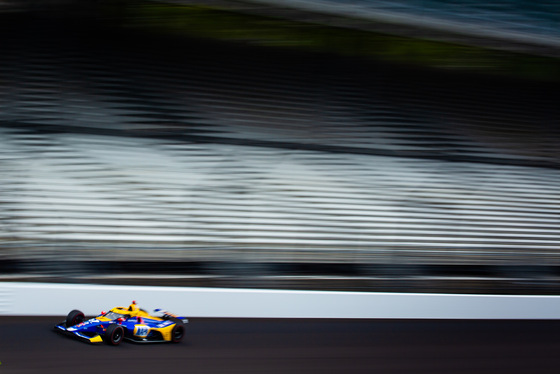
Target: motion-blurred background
399,145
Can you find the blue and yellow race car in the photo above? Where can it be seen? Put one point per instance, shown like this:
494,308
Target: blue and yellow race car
132,323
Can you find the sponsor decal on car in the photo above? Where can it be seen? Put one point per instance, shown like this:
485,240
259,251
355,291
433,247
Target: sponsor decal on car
164,324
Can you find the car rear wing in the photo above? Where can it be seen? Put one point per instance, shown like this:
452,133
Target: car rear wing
170,315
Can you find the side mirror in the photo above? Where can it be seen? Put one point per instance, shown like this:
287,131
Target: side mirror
157,310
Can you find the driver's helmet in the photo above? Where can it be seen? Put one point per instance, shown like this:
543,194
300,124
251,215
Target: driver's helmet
133,307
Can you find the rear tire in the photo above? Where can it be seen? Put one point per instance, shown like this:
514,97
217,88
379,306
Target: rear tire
178,331
74,317
114,334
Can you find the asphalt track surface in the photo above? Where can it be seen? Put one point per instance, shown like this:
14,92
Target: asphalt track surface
29,345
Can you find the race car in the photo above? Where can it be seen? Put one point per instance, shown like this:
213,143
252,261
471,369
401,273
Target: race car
121,323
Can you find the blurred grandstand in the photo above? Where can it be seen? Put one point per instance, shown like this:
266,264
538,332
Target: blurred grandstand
166,160
518,25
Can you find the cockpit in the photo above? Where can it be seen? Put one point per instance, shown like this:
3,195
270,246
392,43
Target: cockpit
113,316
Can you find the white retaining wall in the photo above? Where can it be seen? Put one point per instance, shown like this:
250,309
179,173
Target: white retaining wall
58,299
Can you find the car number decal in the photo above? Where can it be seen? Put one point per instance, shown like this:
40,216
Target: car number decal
141,330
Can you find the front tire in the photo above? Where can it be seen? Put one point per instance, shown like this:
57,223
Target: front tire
114,334
74,317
